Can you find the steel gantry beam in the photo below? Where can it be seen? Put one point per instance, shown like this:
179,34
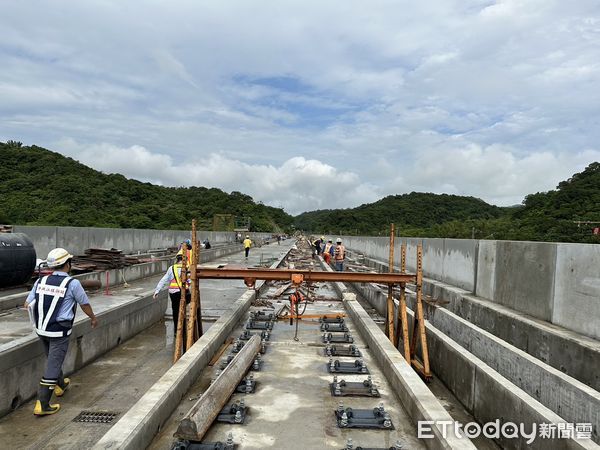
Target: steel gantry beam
250,275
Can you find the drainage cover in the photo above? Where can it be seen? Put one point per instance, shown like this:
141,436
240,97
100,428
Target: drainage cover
95,417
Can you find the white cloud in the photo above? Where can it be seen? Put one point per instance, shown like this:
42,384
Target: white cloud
297,185
495,99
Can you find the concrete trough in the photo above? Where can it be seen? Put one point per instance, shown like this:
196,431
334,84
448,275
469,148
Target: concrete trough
22,361
416,398
567,351
136,428
562,394
485,393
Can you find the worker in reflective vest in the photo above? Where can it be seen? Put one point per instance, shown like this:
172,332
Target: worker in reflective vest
51,305
173,278
187,245
339,254
247,244
327,251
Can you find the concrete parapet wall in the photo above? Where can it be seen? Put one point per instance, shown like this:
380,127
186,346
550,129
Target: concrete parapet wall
115,277
78,239
554,282
577,288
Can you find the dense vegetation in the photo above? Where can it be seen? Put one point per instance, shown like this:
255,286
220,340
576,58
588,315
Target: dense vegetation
546,216
414,211
40,187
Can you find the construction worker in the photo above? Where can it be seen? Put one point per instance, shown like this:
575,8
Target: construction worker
317,245
173,277
339,255
51,305
187,245
327,251
247,245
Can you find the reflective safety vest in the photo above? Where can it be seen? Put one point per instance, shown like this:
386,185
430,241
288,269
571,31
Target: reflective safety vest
50,294
340,252
175,283
327,247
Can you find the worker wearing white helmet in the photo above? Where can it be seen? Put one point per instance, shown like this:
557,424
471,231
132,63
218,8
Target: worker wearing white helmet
51,304
339,255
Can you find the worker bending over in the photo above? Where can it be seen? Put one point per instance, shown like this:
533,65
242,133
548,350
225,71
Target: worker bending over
51,305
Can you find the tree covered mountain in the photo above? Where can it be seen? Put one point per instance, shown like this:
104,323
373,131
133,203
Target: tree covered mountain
40,187
409,212
545,216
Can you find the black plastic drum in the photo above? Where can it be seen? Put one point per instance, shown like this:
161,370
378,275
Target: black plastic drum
17,259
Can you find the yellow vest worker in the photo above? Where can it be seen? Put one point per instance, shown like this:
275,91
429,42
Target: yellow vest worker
247,245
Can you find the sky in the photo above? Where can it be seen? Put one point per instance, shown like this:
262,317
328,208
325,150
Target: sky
309,104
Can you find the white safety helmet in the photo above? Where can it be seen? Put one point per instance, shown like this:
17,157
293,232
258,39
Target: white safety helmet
338,240
58,257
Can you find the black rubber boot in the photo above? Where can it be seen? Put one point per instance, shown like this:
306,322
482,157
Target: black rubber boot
61,386
42,404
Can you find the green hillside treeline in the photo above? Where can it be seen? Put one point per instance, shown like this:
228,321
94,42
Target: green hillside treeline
40,187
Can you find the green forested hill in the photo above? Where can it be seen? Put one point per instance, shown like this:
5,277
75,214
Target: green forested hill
410,212
552,216
544,216
40,187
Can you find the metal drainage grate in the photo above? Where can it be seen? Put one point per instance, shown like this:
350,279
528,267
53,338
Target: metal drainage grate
95,417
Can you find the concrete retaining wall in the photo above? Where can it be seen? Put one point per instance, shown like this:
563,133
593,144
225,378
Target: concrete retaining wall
554,282
77,239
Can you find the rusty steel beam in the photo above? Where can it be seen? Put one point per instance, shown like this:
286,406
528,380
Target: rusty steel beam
298,276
